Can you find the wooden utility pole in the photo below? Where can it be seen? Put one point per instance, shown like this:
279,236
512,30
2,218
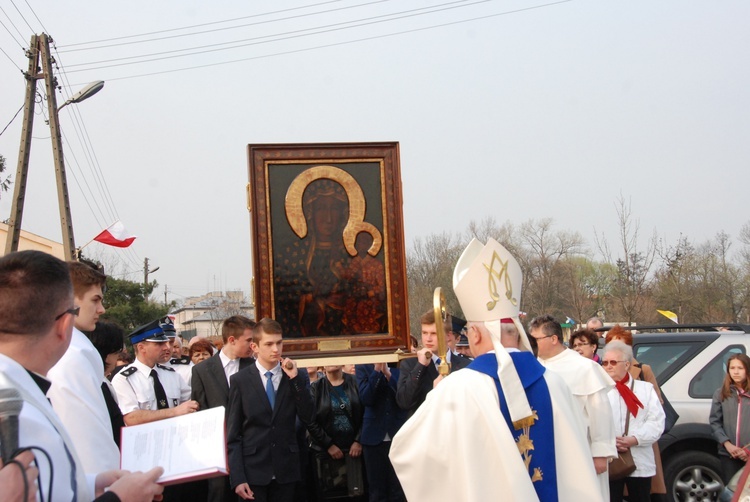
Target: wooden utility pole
19,189
39,49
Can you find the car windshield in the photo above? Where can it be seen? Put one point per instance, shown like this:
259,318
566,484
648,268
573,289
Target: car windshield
660,356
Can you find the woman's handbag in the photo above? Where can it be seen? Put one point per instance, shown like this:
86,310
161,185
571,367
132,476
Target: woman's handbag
623,466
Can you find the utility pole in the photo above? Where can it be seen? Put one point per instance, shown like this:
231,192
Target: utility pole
165,295
146,271
39,49
19,190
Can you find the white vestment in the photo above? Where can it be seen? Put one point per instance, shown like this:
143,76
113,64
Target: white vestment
39,426
77,398
590,384
432,463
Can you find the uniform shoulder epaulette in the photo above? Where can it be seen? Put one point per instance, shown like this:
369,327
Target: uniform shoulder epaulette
179,361
164,367
129,371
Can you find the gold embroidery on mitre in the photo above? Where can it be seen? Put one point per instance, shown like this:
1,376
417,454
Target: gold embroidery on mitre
498,275
525,444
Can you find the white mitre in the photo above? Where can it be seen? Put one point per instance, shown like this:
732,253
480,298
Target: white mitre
487,282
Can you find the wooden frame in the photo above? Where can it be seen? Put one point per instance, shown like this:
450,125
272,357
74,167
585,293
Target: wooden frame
328,246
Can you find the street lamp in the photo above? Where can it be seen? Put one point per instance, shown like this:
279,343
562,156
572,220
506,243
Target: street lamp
39,49
84,93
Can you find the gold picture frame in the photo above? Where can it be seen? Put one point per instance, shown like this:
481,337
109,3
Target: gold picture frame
328,246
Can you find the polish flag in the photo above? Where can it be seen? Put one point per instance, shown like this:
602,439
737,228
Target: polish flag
116,235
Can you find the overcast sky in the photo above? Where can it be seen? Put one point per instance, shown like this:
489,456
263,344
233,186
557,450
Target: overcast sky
500,108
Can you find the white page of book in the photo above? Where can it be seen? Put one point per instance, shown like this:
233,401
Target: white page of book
188,447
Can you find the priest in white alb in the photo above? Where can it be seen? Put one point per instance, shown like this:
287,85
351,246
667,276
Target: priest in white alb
589,383
524,438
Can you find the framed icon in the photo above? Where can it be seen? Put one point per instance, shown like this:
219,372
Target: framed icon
328,247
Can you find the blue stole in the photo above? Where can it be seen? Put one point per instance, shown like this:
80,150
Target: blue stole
536,443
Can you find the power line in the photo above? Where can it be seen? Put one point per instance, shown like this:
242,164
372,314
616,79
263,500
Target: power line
22,16
14,27
11,120
293,34
11,59
200,25
336,44
37,17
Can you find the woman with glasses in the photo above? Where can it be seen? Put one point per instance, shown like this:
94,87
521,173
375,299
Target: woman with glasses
639,422
643,373
585,342
730,416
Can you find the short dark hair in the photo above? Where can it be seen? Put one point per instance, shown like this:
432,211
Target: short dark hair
429,318
268,326
84,275
107,338
235,326
548,325
586,334
35,287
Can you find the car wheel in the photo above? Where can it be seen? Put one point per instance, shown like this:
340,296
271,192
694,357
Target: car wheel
693,476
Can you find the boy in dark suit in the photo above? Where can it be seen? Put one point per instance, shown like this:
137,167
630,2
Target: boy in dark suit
264,401
418,374
210,383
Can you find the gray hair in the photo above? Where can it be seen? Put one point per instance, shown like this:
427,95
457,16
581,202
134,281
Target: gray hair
621,347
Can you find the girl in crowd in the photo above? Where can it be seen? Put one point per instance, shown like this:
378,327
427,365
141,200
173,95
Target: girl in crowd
730,416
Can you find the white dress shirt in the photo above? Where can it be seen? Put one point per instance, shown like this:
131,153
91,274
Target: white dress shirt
231,366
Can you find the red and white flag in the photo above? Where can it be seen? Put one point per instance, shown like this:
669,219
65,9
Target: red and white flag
116,235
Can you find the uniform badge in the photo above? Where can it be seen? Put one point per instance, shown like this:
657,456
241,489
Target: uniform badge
162,403
174,402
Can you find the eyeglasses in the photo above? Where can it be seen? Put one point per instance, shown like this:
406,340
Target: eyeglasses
576,345
73,311
611,363
541,337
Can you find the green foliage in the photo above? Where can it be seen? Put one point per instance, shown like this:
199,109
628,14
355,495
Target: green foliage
126,303
4,182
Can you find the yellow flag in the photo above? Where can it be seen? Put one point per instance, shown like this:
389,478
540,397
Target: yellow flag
669,315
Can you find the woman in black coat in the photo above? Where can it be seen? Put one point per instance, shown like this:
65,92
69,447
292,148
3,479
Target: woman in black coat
336,430
338,414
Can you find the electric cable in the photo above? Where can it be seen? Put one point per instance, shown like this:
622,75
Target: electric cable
281,35
11,120
335,44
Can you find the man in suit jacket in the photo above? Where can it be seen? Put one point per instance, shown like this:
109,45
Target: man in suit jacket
265,400
211,378
418,374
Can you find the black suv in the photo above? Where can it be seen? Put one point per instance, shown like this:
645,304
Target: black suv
689,362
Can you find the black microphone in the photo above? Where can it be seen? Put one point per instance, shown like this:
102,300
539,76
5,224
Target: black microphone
10,407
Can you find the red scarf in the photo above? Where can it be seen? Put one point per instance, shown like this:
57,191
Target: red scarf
631,400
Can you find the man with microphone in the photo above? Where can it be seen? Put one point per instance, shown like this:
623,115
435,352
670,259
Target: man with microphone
36,323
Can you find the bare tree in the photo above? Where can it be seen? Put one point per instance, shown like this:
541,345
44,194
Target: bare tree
631,286
429,264
545,268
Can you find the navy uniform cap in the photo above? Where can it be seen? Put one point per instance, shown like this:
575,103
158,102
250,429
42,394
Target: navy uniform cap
151,332
462,341
458,324
168,327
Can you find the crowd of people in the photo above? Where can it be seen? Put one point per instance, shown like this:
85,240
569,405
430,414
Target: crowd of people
530,417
